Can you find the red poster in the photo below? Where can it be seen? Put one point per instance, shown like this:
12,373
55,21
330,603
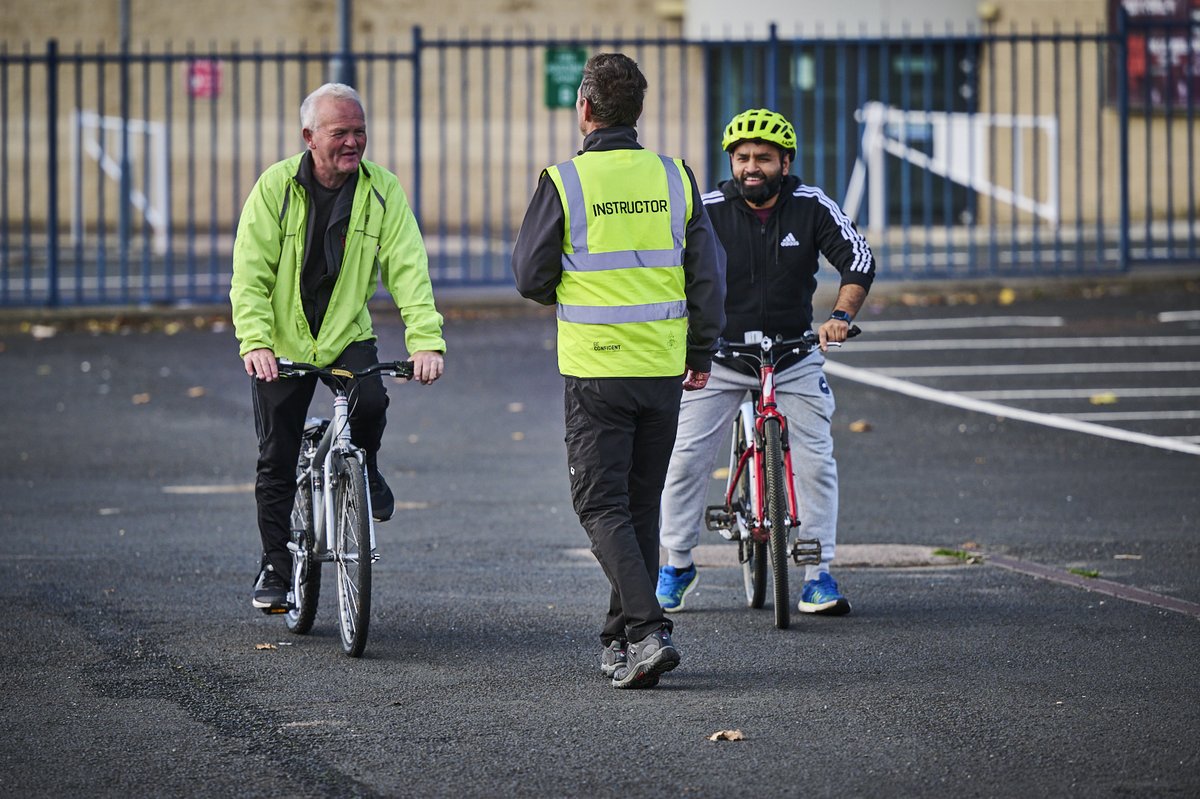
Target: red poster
1162,53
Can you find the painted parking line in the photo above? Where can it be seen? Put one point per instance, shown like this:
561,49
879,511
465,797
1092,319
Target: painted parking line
985,370
1083,393
1137,416
1097,342
1107,587
953,399
967,322
1179,316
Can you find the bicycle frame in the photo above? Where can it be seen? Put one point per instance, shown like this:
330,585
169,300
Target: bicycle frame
335,444
761,408
333,520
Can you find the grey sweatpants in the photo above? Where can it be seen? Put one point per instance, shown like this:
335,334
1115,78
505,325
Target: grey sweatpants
705,421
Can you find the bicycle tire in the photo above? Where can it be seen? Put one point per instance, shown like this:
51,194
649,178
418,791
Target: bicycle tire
306,569
752,556
776,512
352,555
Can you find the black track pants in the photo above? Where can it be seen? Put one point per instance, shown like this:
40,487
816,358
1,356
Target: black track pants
619,434
280,410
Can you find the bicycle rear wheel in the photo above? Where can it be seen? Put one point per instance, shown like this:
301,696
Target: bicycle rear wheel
776,513
306,570
352,555
753,555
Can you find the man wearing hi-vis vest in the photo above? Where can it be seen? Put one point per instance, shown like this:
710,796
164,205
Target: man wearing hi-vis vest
617,238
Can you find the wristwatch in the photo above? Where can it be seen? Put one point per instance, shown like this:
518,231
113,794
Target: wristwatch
841,316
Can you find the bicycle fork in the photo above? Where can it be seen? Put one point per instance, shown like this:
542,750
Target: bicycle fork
344,447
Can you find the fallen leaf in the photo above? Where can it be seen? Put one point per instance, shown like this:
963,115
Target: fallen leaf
197,391
1007,297
516,407
727,735
171,328
860,426
265,646
518,436
42,331
141,399
1103,398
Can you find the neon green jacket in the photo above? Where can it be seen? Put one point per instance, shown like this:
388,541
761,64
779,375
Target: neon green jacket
268,257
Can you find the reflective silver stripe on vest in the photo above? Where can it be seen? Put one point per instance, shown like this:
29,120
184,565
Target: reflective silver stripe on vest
583,261
622,314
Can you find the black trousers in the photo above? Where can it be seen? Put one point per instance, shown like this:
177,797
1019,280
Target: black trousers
619,434
280,410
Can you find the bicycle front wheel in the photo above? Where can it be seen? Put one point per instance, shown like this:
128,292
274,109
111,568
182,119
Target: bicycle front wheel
352,555
753,556
306,569
776,513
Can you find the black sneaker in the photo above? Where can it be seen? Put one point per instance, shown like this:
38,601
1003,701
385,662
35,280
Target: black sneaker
271,591
383,503
613,658
647,660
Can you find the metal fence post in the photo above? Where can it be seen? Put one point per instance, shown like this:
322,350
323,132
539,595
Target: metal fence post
1122,45
772,67
52,298
415,200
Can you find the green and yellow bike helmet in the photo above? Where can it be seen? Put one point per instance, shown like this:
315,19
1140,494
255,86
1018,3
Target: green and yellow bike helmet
760,124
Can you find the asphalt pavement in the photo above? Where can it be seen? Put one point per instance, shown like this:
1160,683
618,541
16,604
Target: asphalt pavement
133,663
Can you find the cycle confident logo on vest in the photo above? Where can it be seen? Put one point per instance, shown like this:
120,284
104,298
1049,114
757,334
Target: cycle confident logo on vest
613,207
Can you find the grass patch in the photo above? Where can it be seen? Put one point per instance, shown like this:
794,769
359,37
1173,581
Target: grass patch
1091,574
959,554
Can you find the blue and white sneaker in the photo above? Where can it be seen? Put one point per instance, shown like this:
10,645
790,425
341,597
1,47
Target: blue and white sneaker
822,596
675,584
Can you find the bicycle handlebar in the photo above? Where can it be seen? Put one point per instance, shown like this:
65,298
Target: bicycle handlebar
777,348
288,368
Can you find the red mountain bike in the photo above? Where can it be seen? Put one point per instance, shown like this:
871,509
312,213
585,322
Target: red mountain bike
760,509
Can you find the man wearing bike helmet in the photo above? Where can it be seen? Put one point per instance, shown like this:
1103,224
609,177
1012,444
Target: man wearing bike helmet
773,228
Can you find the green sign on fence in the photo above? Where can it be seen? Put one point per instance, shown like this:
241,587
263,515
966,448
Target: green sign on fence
564,70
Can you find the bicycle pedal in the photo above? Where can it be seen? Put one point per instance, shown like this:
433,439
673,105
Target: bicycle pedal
806,552
718,518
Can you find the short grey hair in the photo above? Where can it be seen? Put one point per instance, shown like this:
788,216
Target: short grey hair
335,91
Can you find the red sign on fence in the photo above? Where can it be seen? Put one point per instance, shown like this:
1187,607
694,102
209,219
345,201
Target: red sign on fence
204,79
1163,55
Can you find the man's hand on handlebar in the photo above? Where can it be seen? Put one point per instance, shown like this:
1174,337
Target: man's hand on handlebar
427,366
261,363
833,331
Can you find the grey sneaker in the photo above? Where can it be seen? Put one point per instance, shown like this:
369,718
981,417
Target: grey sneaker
613,658
647,660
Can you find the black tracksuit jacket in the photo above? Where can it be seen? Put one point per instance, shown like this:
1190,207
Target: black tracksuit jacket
771,269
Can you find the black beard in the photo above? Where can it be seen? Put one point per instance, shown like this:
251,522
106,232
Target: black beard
757,195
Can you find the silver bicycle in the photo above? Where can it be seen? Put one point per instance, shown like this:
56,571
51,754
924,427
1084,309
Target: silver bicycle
331,518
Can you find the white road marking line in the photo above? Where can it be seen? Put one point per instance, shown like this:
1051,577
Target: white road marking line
1179,316
918,345
236,488
967,323
994,409
1037,369
1081,393
1136,416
